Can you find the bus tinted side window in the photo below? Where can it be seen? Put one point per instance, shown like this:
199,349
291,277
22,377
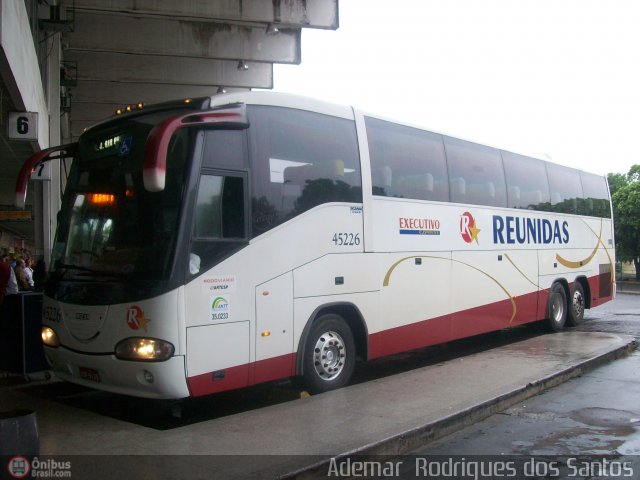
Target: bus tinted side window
527,184
299,160
406,162
476,175
219,227
225,149
596,196
219,208
565,188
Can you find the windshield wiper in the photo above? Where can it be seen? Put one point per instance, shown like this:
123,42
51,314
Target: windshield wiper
69,266
99,273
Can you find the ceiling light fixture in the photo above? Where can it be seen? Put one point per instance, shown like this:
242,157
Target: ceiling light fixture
272,29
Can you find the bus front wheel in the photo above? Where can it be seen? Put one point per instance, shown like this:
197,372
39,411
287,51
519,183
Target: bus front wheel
557,307
329,355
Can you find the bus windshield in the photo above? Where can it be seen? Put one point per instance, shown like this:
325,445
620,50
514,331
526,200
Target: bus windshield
111,231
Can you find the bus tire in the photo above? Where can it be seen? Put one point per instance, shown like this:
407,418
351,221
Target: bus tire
577,302
329,355
557,308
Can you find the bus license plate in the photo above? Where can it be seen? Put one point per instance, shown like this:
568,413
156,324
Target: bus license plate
89,374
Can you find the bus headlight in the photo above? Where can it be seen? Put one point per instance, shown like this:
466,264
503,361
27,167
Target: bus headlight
144,349
49,337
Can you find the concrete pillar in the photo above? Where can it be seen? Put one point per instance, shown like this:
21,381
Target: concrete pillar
20,74
51,190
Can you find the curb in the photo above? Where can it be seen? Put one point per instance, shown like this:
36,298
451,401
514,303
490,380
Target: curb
630,287
627,292
412,439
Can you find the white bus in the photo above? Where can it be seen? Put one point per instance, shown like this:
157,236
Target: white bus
216,243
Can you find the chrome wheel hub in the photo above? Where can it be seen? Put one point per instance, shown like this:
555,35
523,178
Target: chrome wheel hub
329,355
557,308
578,303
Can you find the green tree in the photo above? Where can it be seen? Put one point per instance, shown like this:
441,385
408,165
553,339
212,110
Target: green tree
616,182
625,191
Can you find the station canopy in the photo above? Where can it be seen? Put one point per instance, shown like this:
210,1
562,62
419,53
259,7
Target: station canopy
121,52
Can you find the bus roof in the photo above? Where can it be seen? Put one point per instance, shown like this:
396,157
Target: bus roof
262,97
270,98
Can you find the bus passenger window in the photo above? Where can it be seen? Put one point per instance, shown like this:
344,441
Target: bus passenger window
406,162
566,189
476,173
527,184
596,196
299,160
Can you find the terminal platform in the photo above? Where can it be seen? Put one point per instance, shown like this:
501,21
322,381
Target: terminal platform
298,438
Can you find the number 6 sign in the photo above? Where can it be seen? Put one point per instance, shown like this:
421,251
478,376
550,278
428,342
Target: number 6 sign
23,126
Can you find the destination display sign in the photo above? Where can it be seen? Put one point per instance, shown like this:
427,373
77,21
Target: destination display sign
119,145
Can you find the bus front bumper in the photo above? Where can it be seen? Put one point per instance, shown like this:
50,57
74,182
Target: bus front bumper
161,380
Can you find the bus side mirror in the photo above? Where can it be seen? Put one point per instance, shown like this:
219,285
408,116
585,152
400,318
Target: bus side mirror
30,165
154,167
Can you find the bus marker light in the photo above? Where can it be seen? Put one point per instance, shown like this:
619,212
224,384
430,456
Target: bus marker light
266,333
49,337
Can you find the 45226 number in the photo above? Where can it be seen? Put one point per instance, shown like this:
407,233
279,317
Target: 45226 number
346,239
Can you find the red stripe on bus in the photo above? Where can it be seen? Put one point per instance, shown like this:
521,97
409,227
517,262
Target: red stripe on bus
214,382
274,368
239,376
454,326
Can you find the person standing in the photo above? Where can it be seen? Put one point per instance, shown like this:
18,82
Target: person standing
28,272
8,280
21,275
5,275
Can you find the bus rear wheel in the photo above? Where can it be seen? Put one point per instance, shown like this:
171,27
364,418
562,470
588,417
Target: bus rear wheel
557,307
329,355
576,305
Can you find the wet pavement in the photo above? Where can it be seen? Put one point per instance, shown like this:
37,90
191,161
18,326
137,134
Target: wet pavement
167,415
595,414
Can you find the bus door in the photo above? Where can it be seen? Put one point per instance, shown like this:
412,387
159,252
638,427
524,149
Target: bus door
218,325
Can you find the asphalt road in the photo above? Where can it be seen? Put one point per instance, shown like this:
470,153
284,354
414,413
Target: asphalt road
597,414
